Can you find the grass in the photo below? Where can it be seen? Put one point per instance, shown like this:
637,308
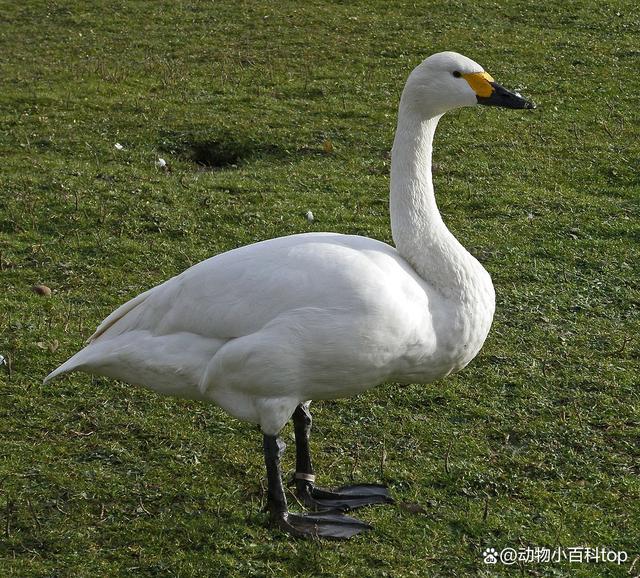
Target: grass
534,444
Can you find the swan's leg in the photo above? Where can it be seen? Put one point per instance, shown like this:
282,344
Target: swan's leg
344,498
321,524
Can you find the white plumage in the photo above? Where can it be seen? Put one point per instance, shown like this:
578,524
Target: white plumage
259,329
262,328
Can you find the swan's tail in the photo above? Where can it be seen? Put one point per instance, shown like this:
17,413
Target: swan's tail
169,364
78,362
64,368
91,354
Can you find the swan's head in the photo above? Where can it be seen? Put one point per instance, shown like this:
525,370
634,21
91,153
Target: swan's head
448,80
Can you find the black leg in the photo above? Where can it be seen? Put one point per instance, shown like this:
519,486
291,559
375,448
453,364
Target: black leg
344,498
323,524
302,428
276,500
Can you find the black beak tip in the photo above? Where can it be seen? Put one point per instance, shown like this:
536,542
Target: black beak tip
526,104
505,99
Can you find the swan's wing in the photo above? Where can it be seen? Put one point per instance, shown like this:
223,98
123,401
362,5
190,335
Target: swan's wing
119,313
176,328
235,294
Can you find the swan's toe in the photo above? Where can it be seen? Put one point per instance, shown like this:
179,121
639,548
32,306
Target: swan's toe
330,525
344,498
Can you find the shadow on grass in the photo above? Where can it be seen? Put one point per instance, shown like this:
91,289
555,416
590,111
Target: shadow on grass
218,151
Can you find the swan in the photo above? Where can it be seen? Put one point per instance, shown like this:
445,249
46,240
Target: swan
263,329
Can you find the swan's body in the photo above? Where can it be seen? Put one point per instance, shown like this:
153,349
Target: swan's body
311,316
263,328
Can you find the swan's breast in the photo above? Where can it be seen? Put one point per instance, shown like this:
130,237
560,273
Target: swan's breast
458,326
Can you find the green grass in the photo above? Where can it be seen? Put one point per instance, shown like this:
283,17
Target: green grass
536,443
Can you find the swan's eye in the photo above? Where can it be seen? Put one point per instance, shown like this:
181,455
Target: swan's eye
457,74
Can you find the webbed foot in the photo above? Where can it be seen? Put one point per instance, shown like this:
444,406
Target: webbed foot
344,498
331,525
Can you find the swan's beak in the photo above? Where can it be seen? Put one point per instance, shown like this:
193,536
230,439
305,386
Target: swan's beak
490,93
504,98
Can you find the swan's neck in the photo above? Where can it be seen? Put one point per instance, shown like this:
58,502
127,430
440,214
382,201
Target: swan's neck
419,232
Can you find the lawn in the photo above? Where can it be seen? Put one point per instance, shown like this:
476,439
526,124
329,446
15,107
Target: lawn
262,112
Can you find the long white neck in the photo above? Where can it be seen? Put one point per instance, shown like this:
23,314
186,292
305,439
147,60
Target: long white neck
419,232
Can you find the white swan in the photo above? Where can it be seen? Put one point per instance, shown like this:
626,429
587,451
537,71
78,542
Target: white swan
262,329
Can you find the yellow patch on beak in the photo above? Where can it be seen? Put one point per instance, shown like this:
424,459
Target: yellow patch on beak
479,81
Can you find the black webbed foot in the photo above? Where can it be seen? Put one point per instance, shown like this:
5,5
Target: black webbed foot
326,524
344,498
331,525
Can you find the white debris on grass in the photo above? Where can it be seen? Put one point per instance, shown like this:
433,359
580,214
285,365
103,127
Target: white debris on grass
161,163
118,146
309,216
